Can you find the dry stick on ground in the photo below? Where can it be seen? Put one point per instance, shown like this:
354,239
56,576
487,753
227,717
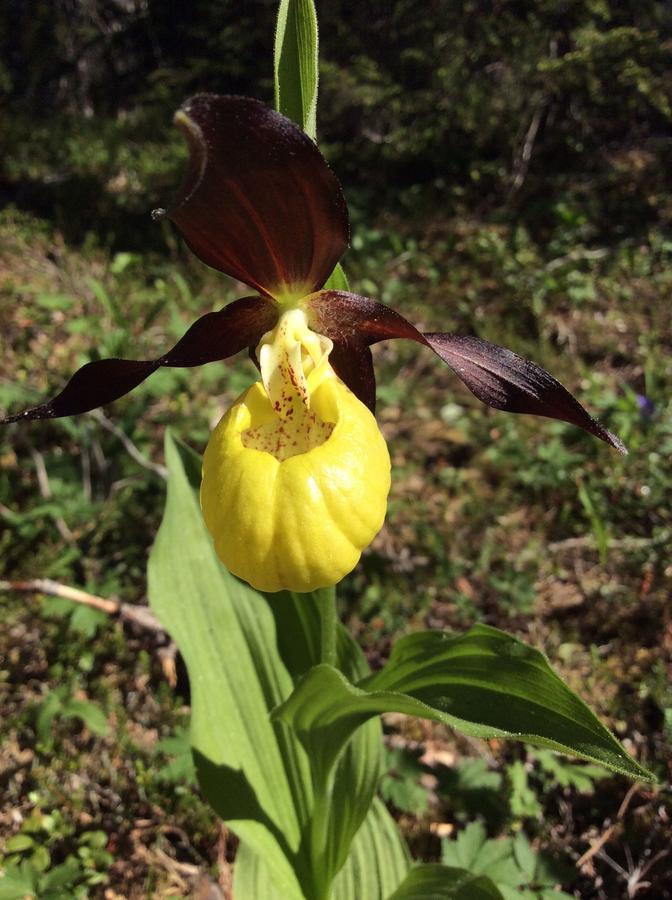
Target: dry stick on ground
628,542
47,494
128,444
606,835
126,612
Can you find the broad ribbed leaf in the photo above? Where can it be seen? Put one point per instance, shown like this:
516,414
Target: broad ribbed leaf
258,200
251,770
376,865
497,376
215,336
436,882
484,683
378,859
296,63
359,768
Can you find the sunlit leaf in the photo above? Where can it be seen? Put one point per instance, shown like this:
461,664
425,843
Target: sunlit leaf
377,863
296,63
358,770
252,771
436,882
484,683
338,280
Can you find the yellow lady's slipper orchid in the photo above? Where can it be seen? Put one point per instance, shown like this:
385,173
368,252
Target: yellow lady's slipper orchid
296,475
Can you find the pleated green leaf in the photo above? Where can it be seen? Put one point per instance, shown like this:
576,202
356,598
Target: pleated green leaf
376,865
252,771
436,882
484,683
244,653
378,859
360,766
296,63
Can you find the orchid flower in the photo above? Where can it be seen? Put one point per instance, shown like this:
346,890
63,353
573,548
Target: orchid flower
297,473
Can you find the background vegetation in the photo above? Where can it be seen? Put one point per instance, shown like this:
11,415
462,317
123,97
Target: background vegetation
507,168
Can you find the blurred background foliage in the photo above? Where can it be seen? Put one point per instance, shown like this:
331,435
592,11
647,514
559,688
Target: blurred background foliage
507,170
549,109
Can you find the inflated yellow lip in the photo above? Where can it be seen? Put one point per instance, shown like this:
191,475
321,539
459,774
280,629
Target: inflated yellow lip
300,523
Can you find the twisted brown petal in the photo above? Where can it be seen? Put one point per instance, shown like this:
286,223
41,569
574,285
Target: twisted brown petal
258,200
497,376
214,336
352,362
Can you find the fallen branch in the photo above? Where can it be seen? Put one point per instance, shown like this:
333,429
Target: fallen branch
141,616
47,494
55,589
128,444
597,845
628,542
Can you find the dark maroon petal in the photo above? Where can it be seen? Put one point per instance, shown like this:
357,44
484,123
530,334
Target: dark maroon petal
497,376
343,316
352,362
504,380
214,336
95,384
258,200
218,335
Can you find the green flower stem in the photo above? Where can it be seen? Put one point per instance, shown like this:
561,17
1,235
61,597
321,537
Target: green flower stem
319,836
328,626
319,826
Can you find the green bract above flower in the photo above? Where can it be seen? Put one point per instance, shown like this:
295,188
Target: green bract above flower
260,203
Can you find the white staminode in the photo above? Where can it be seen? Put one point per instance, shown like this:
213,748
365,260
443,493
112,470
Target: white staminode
294,361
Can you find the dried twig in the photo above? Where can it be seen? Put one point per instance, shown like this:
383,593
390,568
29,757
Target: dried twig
126,612
47,494
87,486
128,444
225,874
628,542
167,656
596,847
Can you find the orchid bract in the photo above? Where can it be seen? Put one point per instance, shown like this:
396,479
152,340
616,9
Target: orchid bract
296,475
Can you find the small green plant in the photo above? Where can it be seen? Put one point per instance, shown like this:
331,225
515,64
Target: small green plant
511,864
61,705
180,768
557,771
29,860
26,880
85,620
401,785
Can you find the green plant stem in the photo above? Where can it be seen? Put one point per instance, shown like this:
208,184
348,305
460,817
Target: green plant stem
319,836
328,626
322,782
